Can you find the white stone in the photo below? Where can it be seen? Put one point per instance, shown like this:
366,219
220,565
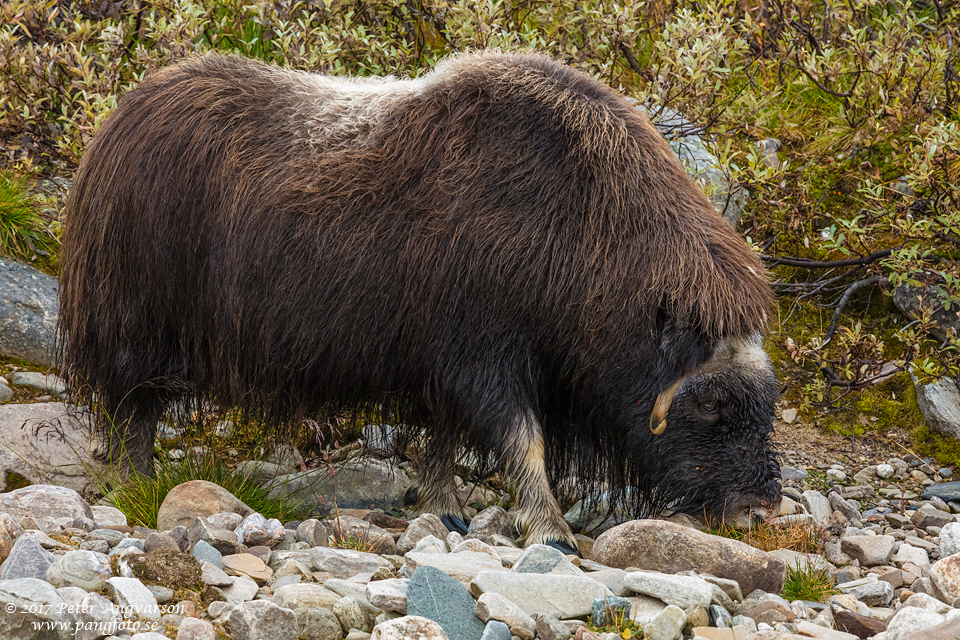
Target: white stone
667,625
133,599
885,471
907,553
243,589
910,620
928,602
408,628
493,606
558,596
304,595
950,539
682,591
389,595
870,590
818,506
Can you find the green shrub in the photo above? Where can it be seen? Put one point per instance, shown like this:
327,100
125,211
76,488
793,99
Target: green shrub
807,583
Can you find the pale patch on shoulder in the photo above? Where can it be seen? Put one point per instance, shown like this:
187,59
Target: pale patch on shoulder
338,112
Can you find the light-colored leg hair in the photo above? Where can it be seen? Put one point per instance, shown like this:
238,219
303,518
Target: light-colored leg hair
437,492
538,515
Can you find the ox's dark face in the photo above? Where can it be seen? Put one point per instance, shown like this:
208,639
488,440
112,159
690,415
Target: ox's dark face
713,457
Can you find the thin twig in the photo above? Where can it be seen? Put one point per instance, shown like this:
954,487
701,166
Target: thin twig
814,264
845,298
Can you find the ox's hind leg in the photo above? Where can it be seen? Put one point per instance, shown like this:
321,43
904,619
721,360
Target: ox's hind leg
126,431
538,515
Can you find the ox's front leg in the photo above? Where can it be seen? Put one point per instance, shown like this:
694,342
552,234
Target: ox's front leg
437,491
539,517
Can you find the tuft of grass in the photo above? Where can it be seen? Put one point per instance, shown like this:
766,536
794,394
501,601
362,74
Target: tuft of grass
139,497
23,233
807,584
798,537
618,622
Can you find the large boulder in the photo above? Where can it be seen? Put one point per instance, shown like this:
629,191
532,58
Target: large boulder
659,545
360,483
197,498
28,313
45,503
47,442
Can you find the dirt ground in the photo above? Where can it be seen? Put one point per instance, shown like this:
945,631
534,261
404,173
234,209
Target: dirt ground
805,444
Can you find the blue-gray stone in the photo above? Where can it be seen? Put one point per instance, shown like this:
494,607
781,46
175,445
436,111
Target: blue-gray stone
946,491
945,473
719,617
496,630
436,596
205,551
792,473
605,610
27,559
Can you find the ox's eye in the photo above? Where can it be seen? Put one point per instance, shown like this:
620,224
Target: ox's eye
709,409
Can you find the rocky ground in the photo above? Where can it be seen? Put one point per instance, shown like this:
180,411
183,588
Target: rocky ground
215,569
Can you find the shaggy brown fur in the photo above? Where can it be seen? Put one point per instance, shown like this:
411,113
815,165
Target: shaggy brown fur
505,250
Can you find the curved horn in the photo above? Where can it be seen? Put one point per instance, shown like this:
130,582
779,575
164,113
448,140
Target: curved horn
658,419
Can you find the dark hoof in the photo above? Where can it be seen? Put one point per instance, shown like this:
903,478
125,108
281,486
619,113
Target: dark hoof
563,547
410,497
453,523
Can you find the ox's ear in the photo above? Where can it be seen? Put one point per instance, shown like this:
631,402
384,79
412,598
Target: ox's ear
658,419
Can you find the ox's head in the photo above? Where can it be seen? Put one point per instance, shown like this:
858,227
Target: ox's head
711,437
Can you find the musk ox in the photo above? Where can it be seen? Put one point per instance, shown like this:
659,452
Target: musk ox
503,252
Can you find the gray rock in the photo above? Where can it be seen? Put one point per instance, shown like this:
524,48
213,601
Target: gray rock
300,596
493,606
949,539
379,440
85,569
670,548
491,521
684,591
947,491
223,540
434,595
496,631
27,559
318,624
559,596
430,544
869,551
203,550
940,404
262,620
352,615
355,589
156,540
908,300
818,506
539,558
48,443
418,529
43,382
408,627
28,313
359,483
134,599
214,576
549,628
346,563
196,629
909,620
313,532
33,610
792,473
844,507
97,617
930,517
6,393
227,520
389,595
255,530
196,498
666,625
872,591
